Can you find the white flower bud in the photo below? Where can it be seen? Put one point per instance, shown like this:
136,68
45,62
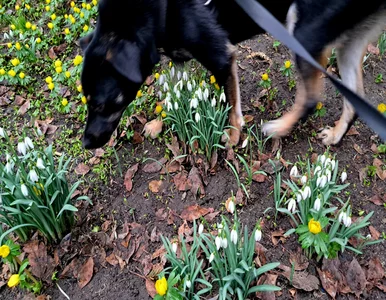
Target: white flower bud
292,205
178,75
213,103
24,190
329,175
174,247
176,105
245,143
317,170
161,79
303,180
2,132
342,216
347,221
333,164
299,197
40,164
258,235
211,257
322,159
185,76
197,117
21,148
222,97
317,204
33,176
294,171
166,87
200,229
234,236
206,94
224,243
172,72
343,177
189,86
8,168
28,143
218,242
193,103
306,193
188,284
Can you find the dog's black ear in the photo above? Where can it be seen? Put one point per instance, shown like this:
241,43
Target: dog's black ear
125,57
85,41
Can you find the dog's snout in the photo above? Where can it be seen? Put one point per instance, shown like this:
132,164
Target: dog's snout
90,140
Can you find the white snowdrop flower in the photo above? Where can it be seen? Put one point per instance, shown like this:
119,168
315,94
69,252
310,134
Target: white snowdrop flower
327,162
189,86
328,174
159,94
193,103
218,242
342,216
333,164
174,247
194,84
172,72
294,171
199,94
323,181
176,105
179,75
7,157
188,284
178,94
211,257
258,235
368,237
222,97
303,180
322,159
8,168
292,205
21,148
206,94
299,197
306,193
317,170
33,176
245,143
40,164
197,117
200,229
231,207
161,79
24,190
219,228
185,76
343,177
28,143
224,242
166,87
169,106
2,132
213,102
317,204
234,236
347,220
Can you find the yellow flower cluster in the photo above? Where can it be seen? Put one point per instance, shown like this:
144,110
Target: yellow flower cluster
78,60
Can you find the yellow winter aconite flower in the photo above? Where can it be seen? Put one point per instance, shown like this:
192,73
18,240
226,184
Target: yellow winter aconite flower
48,1
88,6
68,74
11,73
18,46
9,45
2,71
28,25
64,102
67,31
49,79
72,19
314,226
156,75
85,28
13,27
83,5
265,77
163,115
94,2
66,16
161,286
72,4
21,75
158,109
58,63
79,88
319,106
14,280
139,94
382,108
78,60
287,64
33,27
17,7
47,8
53,17
15,62
51,86
58,70
170,64
50,25
4,251
27,7
217,87
212,79
38,40
84,99
27,46
81,15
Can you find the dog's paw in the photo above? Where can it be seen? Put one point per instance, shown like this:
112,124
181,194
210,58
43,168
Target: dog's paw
231,137
327,135
153,128
277,128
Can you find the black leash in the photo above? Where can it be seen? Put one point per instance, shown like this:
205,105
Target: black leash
375,120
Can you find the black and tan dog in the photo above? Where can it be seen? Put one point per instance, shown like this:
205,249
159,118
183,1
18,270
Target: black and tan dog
123,50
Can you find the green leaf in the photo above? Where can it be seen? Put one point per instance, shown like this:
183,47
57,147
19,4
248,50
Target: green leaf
264,288
66,207
266,268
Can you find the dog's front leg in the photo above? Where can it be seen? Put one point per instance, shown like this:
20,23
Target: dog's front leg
232,91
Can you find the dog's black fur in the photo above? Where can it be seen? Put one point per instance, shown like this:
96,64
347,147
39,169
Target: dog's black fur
123,49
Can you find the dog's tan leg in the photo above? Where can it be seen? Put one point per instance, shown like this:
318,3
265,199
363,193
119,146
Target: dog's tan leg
307,93
236,119
350,62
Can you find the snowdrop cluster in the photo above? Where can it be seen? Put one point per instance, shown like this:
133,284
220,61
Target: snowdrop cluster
344,218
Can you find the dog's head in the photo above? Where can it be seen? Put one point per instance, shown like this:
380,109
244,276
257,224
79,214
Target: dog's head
118,56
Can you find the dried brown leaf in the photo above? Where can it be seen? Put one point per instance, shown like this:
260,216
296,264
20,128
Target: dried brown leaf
373,49
376,199
23,109
356,278
301,280
150,287
86,273
154,166
196,181
328,282
155,186
182,182
374,233
153,128
194,212
82,169
375,270
129,177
